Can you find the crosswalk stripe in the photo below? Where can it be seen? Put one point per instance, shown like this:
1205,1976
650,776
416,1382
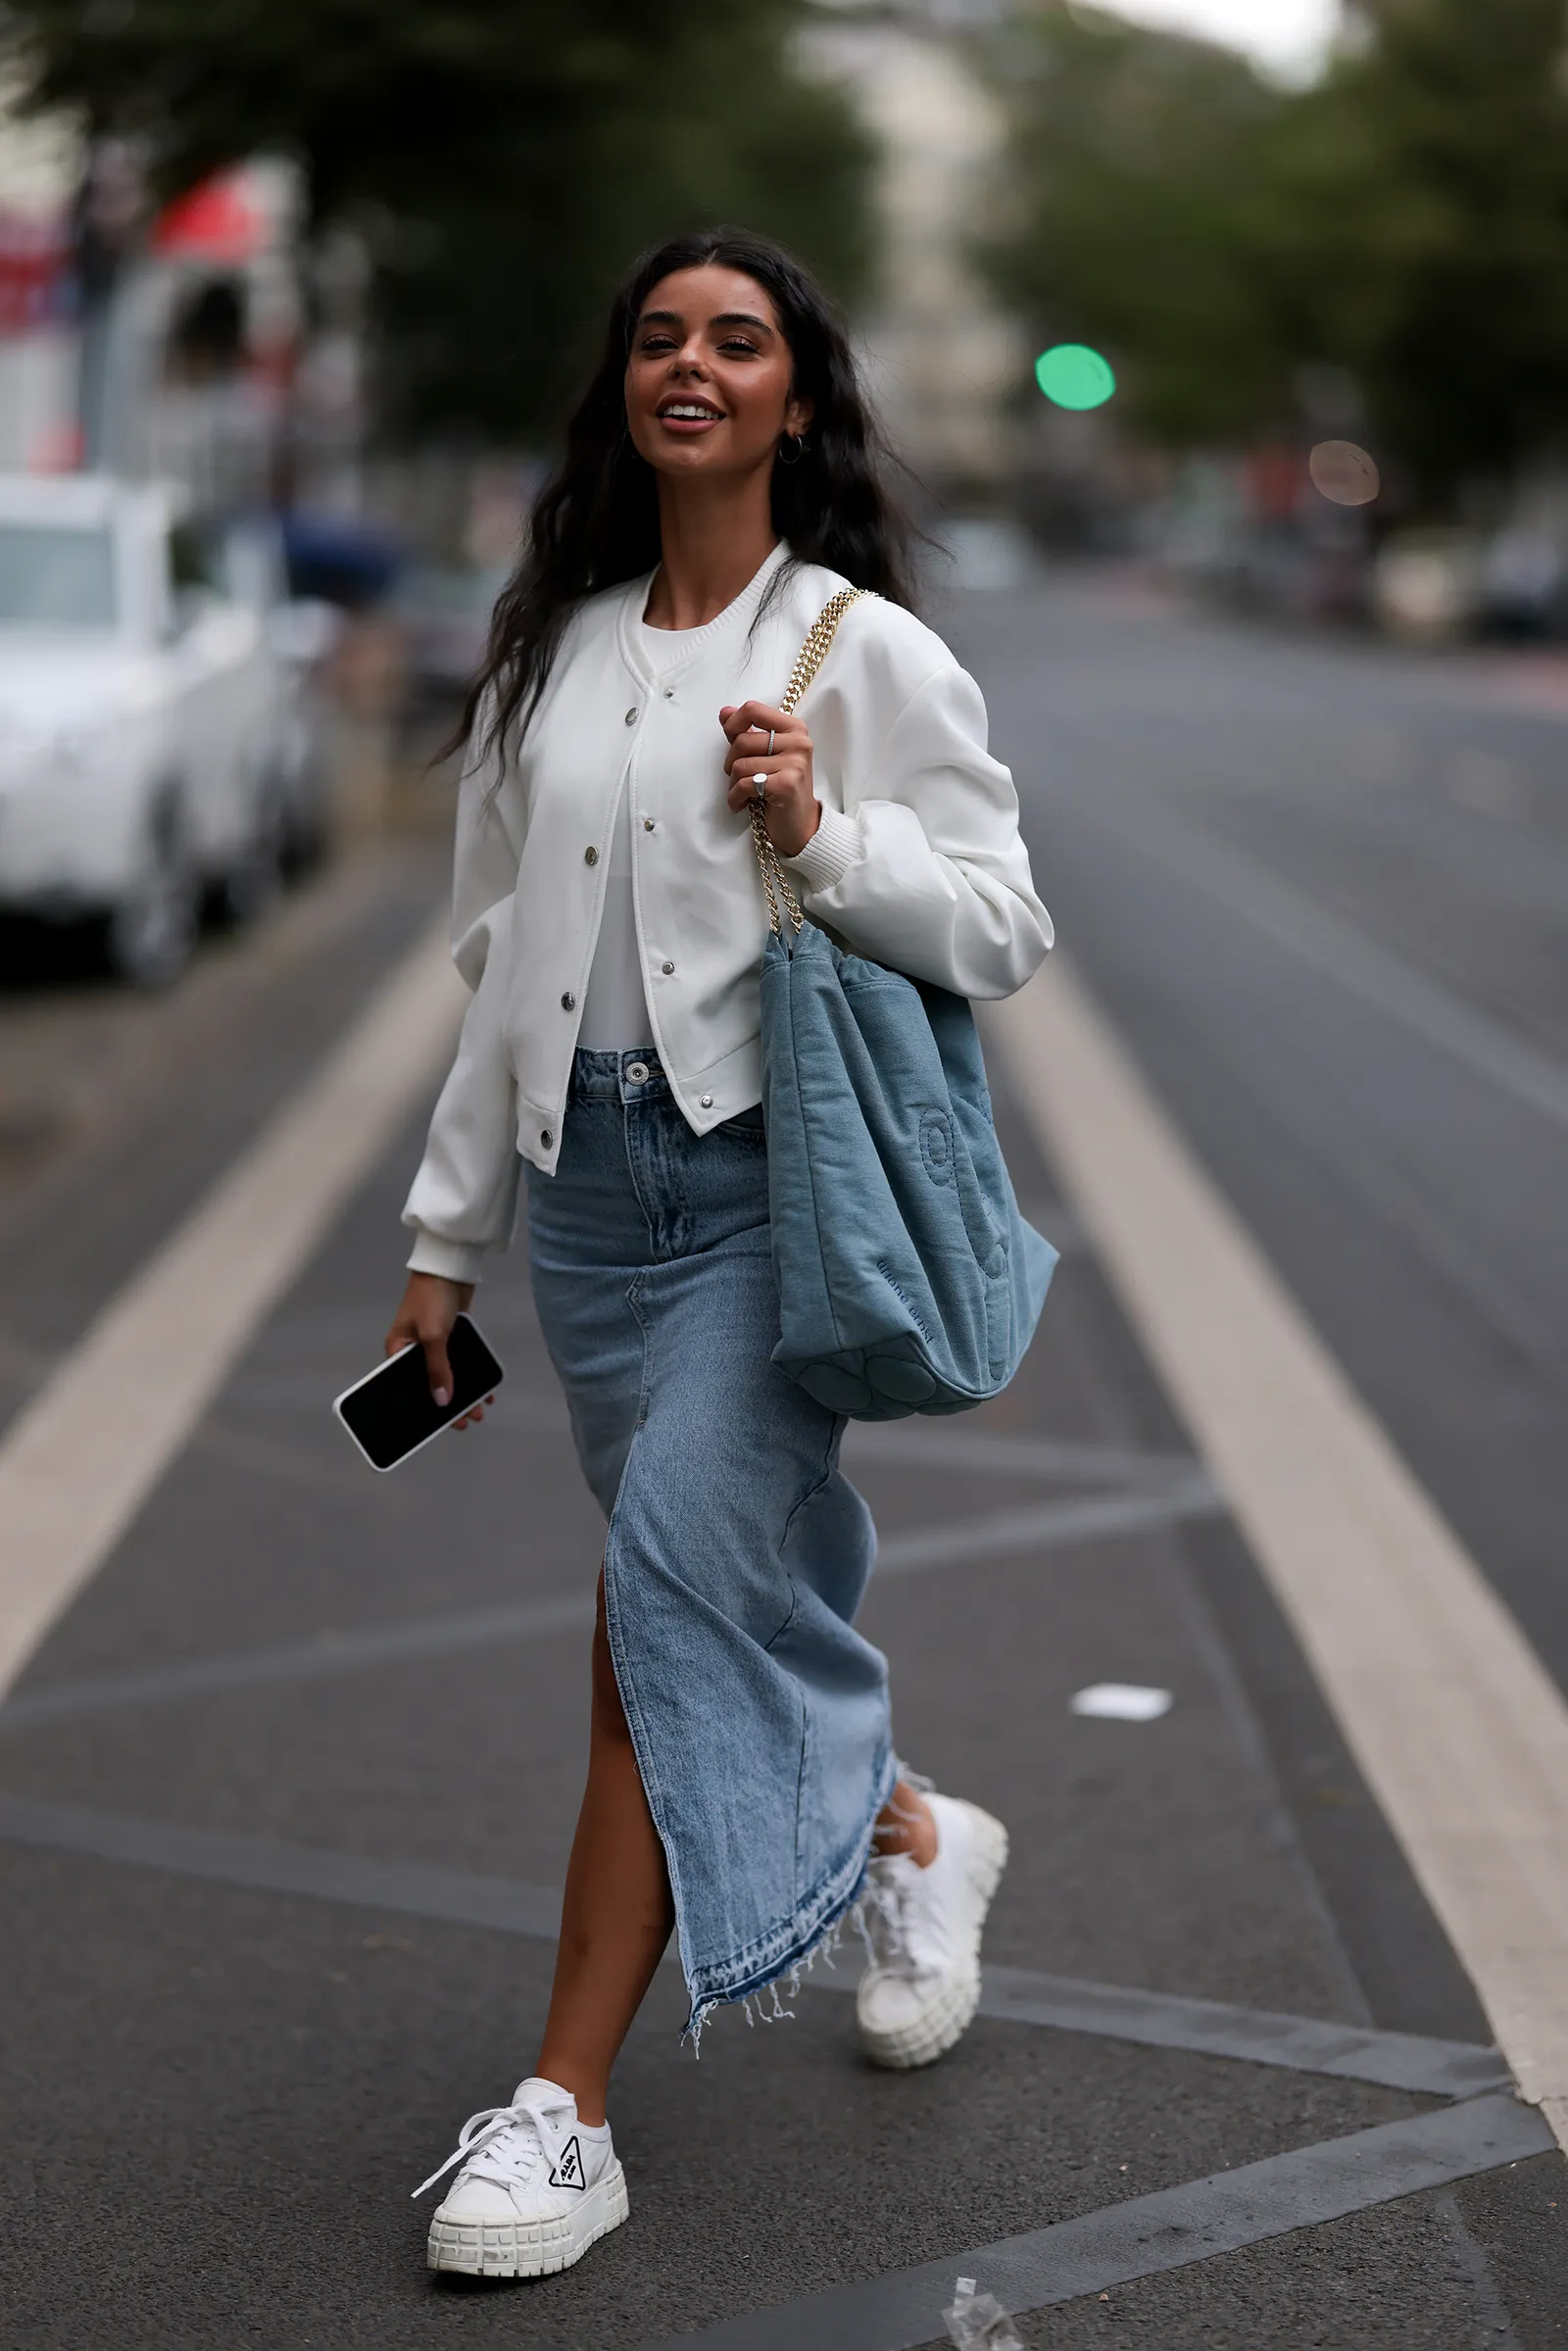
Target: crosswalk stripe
80,1458
1148,2235
1458,1729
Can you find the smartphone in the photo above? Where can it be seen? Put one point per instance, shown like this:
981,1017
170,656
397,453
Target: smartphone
390,1413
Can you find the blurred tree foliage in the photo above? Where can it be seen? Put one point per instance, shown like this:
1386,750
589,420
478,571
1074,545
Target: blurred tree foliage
1405,219
505,159
1125,223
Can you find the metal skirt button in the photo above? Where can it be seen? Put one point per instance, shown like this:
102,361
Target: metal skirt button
637,1073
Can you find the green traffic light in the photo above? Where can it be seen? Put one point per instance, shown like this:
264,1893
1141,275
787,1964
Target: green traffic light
1073,376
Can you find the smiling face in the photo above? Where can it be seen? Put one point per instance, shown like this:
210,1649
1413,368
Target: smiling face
710,378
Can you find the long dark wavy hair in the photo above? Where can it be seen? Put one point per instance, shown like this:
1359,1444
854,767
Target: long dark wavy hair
594,522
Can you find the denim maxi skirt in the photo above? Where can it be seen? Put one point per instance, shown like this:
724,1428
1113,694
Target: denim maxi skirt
738,1551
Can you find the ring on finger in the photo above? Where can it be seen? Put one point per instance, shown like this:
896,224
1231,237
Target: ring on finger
760,783
770,734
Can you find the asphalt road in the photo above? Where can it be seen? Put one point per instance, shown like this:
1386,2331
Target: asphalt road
284,1798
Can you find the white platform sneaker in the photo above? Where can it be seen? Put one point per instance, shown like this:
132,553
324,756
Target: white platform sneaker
535,2191
920,1995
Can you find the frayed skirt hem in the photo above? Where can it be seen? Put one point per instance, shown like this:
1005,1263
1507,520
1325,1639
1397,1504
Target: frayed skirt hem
792,1949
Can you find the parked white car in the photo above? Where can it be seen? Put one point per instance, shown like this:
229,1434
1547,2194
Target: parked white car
149,738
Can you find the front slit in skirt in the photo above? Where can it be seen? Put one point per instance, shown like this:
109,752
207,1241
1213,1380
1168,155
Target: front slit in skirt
738,1551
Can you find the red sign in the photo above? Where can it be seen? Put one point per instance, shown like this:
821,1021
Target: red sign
34,264
217,222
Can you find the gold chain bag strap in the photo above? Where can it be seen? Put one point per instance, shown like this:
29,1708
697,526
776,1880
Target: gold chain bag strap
809,661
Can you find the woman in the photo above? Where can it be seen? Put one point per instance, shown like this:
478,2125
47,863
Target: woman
720,485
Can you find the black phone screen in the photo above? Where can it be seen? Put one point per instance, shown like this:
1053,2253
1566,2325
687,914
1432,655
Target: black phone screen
392,1413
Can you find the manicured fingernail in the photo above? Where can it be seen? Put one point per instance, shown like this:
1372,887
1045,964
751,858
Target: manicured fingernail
443,1396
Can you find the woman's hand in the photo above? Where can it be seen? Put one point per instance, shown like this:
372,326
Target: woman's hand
430,1306
791,811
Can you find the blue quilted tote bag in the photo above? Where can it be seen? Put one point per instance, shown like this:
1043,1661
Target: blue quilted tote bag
907,1279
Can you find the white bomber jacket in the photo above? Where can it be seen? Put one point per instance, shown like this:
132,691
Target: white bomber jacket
916,863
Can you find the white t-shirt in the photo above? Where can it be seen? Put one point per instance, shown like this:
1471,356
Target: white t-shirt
614,1010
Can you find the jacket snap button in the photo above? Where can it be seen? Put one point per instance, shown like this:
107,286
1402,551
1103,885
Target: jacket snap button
666,969
590,856
648,824
631,717
637,1072
707,1102
546,1137
569,1002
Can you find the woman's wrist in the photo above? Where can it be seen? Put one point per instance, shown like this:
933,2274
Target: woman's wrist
833,848
812,819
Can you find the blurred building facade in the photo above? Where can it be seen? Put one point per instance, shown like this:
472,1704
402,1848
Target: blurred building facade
39,168
945,361
204,343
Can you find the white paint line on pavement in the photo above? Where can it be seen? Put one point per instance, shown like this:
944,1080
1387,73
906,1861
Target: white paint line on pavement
1121,1702
82,1457
942,1449
968,1543
1461,1732
1013,1533
1443,2068
1148,2234
1340,950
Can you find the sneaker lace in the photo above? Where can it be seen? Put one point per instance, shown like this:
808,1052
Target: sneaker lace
503,2143
899,1920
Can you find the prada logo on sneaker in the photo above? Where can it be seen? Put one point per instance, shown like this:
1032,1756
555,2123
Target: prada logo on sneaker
567,2170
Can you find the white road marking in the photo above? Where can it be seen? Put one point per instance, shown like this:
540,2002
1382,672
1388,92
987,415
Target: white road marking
80,1458
1459,1729
1339,947
972,1543
940,1447
1121,1701
1439,2069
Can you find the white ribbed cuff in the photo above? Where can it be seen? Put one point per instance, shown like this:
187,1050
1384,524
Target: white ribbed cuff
832,849
452,1260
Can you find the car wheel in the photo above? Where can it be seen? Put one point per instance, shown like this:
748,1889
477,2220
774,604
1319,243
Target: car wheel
256,877
308,830
307,797
152,931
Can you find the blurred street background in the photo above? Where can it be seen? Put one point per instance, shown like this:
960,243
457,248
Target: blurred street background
1225,345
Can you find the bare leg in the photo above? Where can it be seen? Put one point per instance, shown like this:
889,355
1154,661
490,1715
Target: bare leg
905,1825
618,1914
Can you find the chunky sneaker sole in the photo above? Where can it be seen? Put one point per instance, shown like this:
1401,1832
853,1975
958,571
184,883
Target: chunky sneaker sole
501,2248
948,2011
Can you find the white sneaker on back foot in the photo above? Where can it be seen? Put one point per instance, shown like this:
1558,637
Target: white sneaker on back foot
920,1995
535,2191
